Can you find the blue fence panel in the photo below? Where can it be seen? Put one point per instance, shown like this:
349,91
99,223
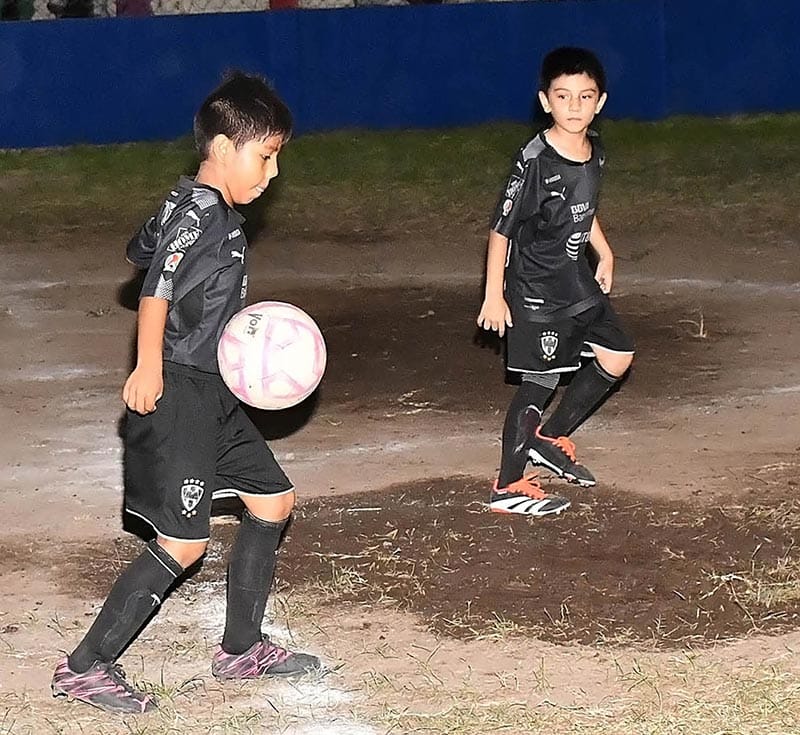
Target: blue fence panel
731,56
125,79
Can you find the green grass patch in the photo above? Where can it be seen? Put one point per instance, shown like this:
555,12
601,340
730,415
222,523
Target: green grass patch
400,184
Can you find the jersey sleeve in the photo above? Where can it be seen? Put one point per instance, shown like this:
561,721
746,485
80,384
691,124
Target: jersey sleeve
187,253
143,244
514,204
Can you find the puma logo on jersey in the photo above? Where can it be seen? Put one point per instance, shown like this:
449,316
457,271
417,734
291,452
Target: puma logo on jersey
192,215
560,194
236,254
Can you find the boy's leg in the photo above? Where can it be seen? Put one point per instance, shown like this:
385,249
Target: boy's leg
134,597
88,674
169,471
584,393
251,571
247,465
521,421
600,329
513,493
613,351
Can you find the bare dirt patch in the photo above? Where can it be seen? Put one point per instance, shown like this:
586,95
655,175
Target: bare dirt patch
615,569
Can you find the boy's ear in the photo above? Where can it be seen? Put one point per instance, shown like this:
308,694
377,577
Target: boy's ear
544,102
601,102
221,145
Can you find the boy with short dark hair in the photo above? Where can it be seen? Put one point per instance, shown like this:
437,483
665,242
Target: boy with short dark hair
541,286
187,438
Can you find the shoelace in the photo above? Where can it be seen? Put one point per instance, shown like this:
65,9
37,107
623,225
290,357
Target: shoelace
117,675
274,654
564,443
529,486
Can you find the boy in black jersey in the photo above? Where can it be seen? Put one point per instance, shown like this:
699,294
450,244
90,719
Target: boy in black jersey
542,288
187,439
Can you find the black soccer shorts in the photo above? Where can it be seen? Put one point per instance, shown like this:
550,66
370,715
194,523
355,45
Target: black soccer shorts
196,446
557,347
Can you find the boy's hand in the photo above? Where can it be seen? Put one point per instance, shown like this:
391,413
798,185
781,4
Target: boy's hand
604,275
495,315
142,390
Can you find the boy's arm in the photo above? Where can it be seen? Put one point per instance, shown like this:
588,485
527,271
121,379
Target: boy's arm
142,245
146,383
604,274
494,313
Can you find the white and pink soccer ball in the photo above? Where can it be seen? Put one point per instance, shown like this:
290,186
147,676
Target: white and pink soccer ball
271,355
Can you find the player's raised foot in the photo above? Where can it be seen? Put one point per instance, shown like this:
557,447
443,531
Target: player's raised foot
558,455
103,686
262,659
526,496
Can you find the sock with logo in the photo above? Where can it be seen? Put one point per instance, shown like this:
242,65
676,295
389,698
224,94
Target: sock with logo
521,421
135,596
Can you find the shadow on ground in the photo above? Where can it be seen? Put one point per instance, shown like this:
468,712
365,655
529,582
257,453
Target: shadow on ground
615,568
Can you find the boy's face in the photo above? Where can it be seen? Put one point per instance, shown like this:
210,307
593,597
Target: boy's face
573,100
249,169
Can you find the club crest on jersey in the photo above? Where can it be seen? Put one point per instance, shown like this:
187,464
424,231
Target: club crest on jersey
548,341
172,262
191,494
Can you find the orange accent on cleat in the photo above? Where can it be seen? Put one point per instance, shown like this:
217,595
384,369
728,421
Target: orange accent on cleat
528,485
564,443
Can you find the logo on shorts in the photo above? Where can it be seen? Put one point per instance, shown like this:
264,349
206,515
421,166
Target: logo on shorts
191,494
548,341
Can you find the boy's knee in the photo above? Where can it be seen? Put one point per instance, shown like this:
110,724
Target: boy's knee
185,553
616,365
272,508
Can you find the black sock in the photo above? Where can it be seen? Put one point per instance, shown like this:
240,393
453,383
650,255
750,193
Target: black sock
250,573
589,386
521,421
134,597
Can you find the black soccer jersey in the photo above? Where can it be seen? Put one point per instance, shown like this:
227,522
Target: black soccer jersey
546,211
194,252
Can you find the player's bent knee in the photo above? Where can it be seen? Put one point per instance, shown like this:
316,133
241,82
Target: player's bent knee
271,507
615,364
185,553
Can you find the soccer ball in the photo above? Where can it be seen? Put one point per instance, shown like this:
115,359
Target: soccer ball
271,355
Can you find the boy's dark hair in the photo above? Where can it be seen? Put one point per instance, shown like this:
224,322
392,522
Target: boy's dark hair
244,107
571,60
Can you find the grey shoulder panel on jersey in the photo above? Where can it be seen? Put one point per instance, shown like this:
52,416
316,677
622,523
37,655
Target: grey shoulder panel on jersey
204,198
533,149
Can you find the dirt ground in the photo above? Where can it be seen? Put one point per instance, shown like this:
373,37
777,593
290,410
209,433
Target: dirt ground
393,570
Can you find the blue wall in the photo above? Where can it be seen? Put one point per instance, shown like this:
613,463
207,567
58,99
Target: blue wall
729,56
112,80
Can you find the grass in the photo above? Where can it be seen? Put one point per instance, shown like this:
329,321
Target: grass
378,186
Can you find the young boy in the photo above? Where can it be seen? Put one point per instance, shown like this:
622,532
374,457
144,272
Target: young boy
187,439
541,287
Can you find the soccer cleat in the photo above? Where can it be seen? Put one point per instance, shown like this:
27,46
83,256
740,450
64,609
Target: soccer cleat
558,455
102,686
262,659
527,497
